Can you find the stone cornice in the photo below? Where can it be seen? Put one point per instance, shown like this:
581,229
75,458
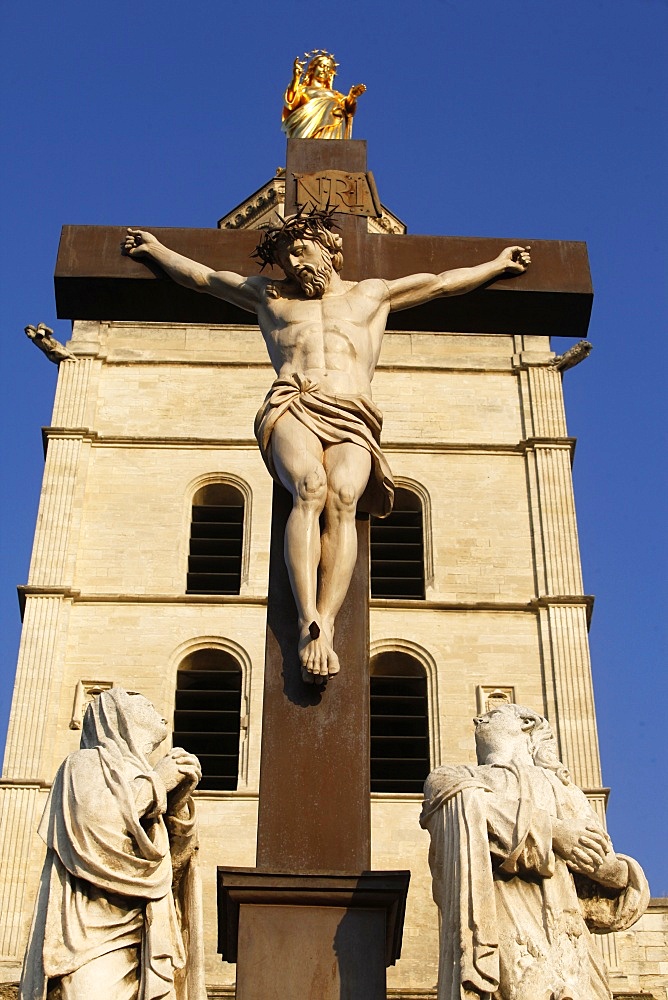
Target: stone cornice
571,600
244,443
28,590
40,784
603,793
77,597
266,199
492,366
534,604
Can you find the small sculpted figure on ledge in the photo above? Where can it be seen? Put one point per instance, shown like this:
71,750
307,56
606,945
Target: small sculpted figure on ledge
522,870
312,108
118,914
318,428
42,337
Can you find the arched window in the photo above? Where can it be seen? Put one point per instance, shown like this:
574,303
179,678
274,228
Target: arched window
216,540
399,723
397,550
207,715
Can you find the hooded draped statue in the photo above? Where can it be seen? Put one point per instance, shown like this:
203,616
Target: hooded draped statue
118,914
522,871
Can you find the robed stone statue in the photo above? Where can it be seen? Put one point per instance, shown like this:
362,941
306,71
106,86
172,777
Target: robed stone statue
118,914
522,870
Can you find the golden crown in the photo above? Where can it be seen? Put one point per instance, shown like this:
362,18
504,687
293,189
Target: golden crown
318,54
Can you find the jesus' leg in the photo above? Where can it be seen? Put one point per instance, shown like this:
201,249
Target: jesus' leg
347,466
298,456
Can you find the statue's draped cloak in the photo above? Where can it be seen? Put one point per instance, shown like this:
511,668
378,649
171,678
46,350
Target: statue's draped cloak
106,884
333,420
514,920
322,116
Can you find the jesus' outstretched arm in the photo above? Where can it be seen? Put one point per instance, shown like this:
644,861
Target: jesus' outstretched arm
234,288
415,289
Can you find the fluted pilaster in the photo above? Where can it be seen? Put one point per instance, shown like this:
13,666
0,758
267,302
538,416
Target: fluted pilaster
71,403
553,516
546,398
20,811
53,557
33,705
571,696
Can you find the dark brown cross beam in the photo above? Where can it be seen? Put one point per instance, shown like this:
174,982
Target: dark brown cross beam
553,297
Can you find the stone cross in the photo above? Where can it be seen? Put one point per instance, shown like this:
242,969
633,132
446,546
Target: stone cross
553,298
314,811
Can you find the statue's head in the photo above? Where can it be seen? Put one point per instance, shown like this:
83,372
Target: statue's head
321,69
125,719
307,249
514,732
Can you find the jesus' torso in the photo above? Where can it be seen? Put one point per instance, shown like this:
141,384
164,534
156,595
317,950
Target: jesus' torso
334,340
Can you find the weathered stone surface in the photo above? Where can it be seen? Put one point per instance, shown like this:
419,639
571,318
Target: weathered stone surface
120,897
522,869
107,601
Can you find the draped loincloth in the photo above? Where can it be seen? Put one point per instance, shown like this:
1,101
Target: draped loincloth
333,420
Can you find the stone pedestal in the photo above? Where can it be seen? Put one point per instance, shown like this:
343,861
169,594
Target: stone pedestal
310,937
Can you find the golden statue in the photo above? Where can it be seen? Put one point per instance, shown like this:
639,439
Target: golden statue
313,110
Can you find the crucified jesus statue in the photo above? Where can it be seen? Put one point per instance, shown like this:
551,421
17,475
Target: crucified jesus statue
318,429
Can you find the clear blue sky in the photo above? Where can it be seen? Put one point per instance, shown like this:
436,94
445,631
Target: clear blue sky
541,120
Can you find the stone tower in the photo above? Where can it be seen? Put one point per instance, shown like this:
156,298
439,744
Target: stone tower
149,570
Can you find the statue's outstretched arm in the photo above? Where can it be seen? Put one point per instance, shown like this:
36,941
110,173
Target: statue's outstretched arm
415,289
234,288
350,102
293,94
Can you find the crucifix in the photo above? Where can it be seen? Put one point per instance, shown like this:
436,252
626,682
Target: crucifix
318,430
313,849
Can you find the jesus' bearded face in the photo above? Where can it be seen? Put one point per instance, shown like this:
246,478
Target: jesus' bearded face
309,264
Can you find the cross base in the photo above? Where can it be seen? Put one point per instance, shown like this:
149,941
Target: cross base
323,936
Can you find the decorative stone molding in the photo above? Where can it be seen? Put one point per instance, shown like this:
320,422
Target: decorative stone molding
42,337
84,693
269,201
573,356
251,213
427,531
488,698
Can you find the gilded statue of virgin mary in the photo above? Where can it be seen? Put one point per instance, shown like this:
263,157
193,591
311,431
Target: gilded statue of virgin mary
312,108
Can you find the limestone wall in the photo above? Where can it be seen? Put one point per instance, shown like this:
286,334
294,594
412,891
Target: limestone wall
643,956
151,412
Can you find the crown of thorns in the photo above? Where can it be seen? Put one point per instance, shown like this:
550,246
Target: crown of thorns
304,225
